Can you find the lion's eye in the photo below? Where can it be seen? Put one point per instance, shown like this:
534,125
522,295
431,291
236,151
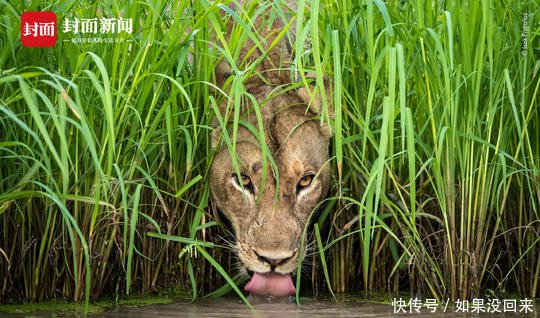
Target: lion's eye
304,182
245,182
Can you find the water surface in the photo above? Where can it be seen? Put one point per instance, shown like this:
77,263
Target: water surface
230,307
233,307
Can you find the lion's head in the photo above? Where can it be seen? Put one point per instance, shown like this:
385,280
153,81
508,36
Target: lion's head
268,216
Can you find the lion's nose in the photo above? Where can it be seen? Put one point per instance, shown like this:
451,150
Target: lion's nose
273,260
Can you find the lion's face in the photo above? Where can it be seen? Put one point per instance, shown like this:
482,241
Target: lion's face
268,217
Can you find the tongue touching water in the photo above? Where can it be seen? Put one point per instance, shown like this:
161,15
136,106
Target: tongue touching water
271,284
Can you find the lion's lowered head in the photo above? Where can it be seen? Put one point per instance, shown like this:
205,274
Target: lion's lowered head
268,216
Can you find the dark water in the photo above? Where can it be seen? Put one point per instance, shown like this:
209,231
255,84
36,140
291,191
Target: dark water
313,309
232,307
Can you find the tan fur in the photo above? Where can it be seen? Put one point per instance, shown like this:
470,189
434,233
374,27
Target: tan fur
271,226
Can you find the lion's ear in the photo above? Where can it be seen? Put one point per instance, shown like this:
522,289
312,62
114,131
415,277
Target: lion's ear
314,98
215,137
222,73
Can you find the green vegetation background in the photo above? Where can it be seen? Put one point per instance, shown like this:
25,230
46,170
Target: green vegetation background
435,149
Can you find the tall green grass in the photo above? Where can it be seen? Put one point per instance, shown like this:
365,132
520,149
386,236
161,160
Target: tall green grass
105,150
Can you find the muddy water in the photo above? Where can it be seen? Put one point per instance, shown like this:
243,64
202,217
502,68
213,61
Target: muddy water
232,307
313,309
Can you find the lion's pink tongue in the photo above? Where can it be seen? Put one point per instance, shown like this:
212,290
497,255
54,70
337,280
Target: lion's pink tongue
271,284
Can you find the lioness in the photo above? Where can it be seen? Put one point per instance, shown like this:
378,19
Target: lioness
268,228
